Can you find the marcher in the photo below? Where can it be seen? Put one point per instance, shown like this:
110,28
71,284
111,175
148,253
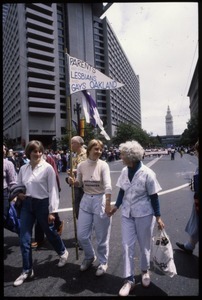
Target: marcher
58,224
94,175
192,227
181,151
140,203
172,152
39,203
77,147
9,179
13,158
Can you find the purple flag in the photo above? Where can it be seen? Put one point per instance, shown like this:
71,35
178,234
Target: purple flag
91,113
92,106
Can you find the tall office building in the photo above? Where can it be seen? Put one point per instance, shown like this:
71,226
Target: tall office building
169,122
35,37
193,93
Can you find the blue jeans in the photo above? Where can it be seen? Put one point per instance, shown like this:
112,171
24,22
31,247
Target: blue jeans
36,209
38,232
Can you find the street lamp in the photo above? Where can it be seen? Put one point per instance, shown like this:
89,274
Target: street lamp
77,109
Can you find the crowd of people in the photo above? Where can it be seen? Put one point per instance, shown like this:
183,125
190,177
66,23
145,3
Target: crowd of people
89,174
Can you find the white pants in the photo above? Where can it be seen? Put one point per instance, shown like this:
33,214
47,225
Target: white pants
92,216
136,229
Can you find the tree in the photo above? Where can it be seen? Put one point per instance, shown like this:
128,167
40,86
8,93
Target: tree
191,134
127,132
10,143
90,132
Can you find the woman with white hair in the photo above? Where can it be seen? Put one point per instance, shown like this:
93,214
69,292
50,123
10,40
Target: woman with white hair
138,196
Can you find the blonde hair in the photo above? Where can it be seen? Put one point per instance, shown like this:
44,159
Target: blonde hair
93,143
132,150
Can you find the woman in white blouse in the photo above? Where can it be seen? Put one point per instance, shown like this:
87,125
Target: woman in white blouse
39,203
139,199
94,175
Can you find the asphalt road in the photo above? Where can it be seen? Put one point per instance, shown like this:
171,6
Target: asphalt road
176,200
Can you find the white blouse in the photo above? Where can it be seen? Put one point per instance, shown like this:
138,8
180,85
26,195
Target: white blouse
136,201
40,183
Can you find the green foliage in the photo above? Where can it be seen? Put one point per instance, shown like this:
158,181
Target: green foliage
191,133
10,144
89,133
128,132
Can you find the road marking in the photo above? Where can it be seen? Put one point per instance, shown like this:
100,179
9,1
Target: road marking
174,189
149,164
63,209
160,193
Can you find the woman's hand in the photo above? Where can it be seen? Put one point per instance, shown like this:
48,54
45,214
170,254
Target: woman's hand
113,210
160,223
70,180
21,196
51,218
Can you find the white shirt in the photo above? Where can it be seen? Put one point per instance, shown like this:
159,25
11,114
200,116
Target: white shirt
40,183
136,201
94,176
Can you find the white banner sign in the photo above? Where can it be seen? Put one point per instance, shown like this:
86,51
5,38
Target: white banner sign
83,76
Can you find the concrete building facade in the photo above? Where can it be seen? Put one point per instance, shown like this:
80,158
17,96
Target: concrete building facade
193,93
35,37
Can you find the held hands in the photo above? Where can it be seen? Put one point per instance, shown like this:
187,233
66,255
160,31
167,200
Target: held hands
110,210
113,210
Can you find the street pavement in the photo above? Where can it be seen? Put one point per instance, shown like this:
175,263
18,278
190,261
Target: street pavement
176,201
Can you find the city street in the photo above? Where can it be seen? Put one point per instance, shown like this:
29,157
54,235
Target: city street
176,201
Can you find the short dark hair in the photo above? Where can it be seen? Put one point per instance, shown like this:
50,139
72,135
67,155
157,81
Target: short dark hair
32,145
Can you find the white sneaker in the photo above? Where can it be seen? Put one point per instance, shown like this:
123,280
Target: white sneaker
23,277
87,263
126,288
101,270
146,279
63,259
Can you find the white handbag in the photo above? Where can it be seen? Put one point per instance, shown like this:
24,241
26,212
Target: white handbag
162,253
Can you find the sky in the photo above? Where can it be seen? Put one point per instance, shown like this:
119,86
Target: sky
160,41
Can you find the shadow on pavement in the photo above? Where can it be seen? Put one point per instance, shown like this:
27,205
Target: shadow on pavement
152,290
76,282
186,265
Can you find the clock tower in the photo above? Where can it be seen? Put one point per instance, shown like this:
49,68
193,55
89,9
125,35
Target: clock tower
169,122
